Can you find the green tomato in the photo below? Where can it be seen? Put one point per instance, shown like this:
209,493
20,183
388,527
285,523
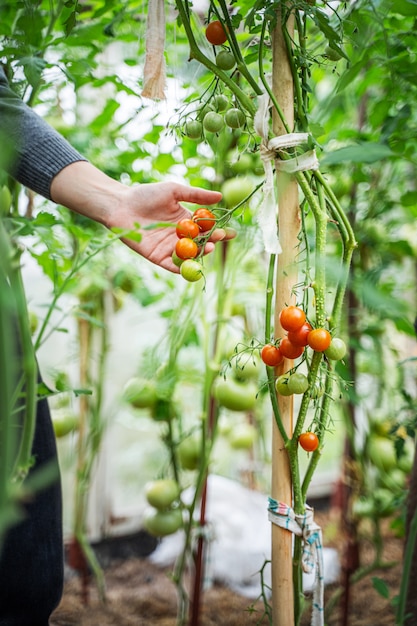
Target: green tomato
235,118
381,452
363,507
64,423
213,122
235,190
5,200
234,395
225,60
332,54
162,493
33,322
163,410
297,383
383,502
176,259
193,129
282,386
191,270
337,349
162,523
189,452
243,436
140,392
246,368
220,102
243,164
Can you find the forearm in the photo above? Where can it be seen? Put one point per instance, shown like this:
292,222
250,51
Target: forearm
84,189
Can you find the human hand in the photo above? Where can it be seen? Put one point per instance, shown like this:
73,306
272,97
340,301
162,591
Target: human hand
151,203
87,190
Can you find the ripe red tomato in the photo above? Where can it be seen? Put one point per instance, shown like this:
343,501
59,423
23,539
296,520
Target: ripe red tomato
216,34
300,337
308,441
205,219
292,318
319,339
271,355
186,248
187,228
290,350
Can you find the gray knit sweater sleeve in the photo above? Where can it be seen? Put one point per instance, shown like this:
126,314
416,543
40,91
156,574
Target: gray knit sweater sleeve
36,152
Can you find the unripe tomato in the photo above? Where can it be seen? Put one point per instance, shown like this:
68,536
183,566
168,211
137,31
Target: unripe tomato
213,122
337,349
187,228
186,248
205,219
281,385
300,337
225,60
216,34
243,164
271,355
140,392
308,441
292,318
235,118
234,395
235,190
220,102
297,383
193,129
64,423
162,493
243,436
191,270
246,368
176,259
289,350
319,339
162,523
189,453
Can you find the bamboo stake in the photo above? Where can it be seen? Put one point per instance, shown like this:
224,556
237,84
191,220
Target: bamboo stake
289,226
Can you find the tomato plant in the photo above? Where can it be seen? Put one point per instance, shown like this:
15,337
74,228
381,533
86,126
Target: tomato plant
191,270
186,248
289,350
187,228
205,219
271,355
319,339
309,441
215,33
292,318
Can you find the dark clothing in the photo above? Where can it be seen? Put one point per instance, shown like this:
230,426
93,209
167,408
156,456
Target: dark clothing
35,151
31,562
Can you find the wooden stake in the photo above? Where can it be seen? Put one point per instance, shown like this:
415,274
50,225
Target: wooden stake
289,226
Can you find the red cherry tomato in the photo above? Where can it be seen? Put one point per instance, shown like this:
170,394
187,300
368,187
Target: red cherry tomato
308,441
205,219
319,339
271,355
187,228
186,248
300,337
290,350
292,318
215,33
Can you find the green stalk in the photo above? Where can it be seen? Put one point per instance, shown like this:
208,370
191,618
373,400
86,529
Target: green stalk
198,55
405,577
24,457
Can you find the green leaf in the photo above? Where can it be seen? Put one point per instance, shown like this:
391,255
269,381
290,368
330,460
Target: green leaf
33,68
365,152
380,586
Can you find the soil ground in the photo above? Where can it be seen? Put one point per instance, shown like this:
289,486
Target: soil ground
140,593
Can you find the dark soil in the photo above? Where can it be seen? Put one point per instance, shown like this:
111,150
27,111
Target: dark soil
139,593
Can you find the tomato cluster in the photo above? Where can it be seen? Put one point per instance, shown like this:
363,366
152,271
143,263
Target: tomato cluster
163,516
187,248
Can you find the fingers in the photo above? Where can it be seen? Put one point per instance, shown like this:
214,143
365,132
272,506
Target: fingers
223,234
197,195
